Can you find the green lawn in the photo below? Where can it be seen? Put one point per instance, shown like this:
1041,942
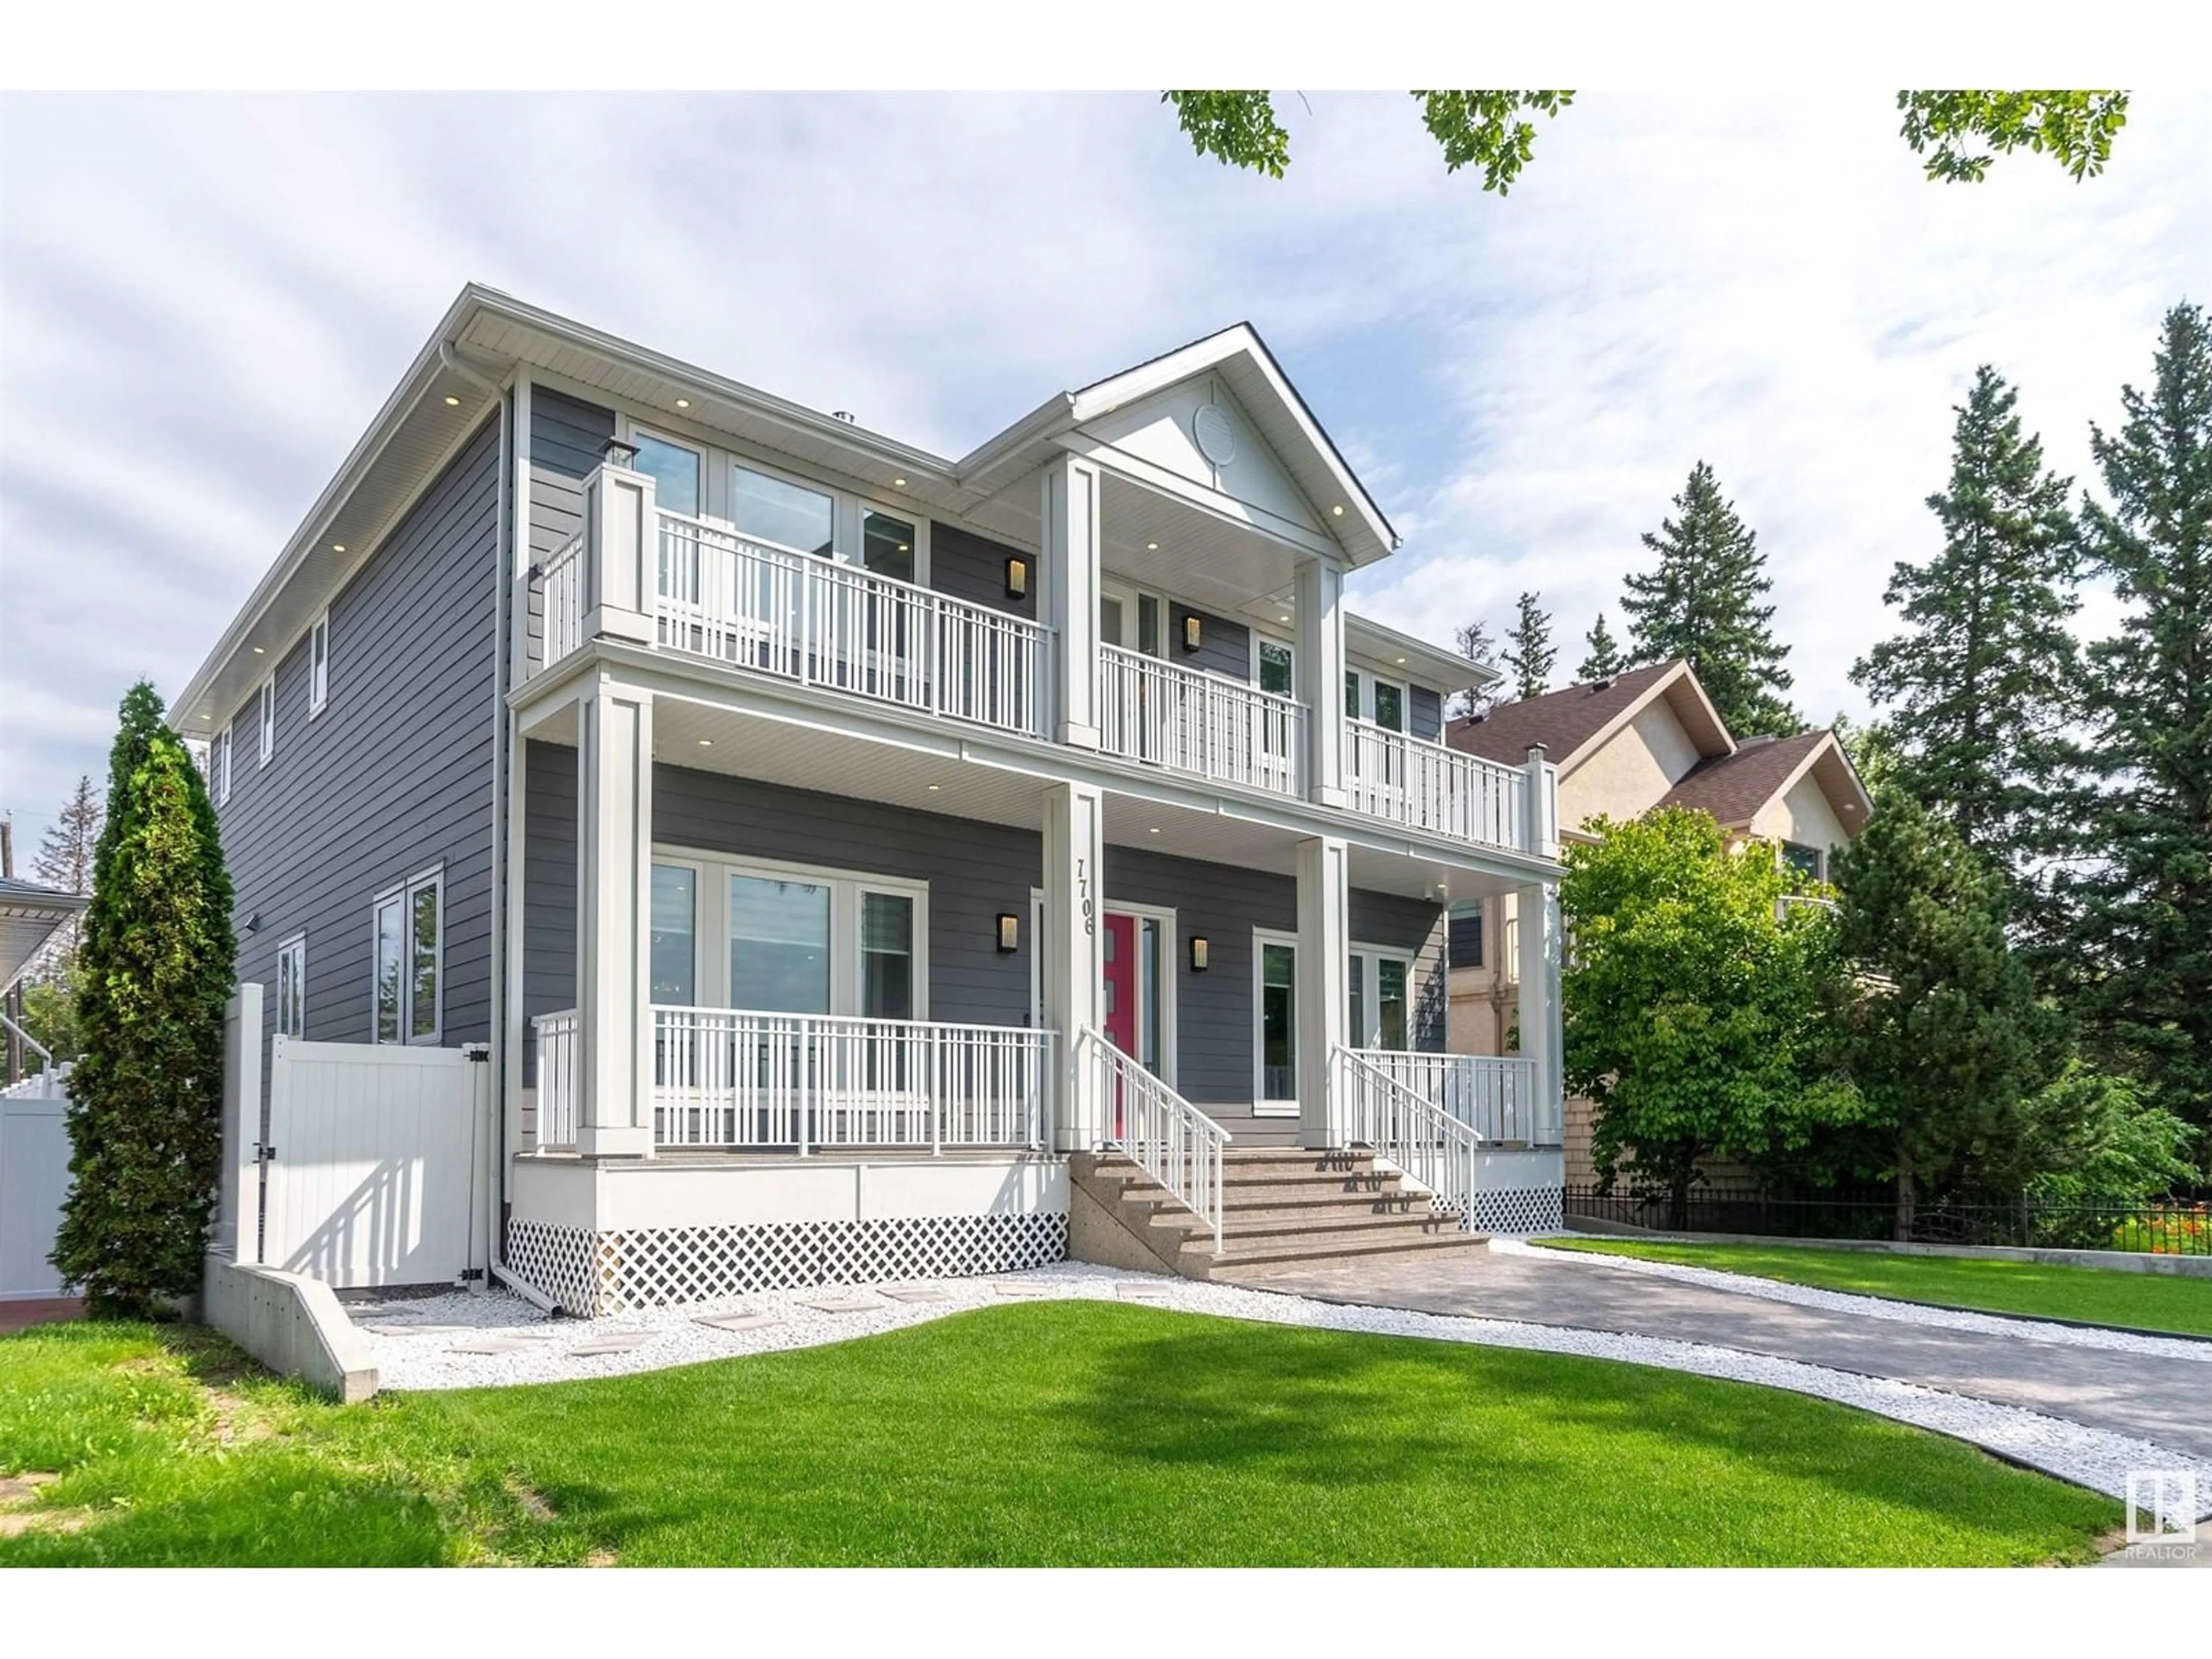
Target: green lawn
1056,1433
2156,1302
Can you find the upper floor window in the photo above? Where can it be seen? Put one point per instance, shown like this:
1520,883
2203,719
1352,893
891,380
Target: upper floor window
1803,861
676,473
1135,621
268,718
887,544
408,931
318,664
785,514
292,987
1276,664
1380,701
218,766
1463,944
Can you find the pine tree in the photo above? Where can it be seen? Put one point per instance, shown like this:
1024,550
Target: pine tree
64,861
1475,644
144,1117
1978,684
1702,603
1604,660
1530,652
2143,932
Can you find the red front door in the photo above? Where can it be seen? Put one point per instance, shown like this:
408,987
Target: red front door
1122,981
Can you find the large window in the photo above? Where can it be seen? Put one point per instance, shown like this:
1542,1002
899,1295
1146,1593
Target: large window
318,664
292,987
779,945
1278,1020
1381,1014
784,514
408,929
675,472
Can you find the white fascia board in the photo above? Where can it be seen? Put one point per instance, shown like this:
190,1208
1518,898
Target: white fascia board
1433,666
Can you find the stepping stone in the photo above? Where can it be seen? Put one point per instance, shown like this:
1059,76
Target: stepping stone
1023,1289
418,1330
914,1292
841,1303
489,1345
1141,1291
739,1321
613,1342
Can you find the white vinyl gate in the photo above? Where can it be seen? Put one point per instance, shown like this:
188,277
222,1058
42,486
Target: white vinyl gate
34,1178
372,1160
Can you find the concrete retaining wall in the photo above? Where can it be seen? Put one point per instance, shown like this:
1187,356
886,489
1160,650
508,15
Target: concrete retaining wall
291,1324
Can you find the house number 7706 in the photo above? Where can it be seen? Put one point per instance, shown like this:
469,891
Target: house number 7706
1088,910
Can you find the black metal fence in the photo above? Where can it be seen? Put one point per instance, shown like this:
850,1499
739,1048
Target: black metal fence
2170,1226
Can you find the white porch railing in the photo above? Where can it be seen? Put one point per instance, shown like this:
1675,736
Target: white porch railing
556,1077
1167,715
564,601
1372,1108
809,619
1160,1131
50,1084
1427,786
1494,1095
733,1078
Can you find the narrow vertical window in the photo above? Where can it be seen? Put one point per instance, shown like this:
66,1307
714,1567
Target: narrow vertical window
1279,1025
318,664
675,931
1352,693
218,766
391,918
268,718
422,919
886,956
408,928
292,987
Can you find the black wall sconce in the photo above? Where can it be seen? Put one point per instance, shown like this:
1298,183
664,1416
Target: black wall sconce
253,923
1198,949
616,451
1193,635
1017,579
1009,932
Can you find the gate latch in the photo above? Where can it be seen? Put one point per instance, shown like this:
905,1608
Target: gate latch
263,1152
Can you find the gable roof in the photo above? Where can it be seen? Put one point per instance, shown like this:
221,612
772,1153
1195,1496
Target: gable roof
1572,723
1736,788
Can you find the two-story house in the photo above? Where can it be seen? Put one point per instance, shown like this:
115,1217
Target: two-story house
833,841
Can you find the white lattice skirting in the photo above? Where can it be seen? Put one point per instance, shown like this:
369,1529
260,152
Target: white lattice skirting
591,1274
1519,1209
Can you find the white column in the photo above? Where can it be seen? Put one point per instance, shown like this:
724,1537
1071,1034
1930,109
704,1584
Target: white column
1538,907
1324,952
1070,541
1074,955
1540,801
614,914
1319,664
622,555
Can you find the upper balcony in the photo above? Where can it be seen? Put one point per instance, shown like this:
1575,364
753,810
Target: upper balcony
696,588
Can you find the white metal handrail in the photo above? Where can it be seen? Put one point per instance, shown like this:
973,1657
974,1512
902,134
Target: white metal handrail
1369,1108
557,1079
564,601
1164,714
1494,1095
1428,786
736,1078
1157,1129
810,619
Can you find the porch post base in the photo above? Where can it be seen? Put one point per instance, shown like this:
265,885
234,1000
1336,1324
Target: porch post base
614,1140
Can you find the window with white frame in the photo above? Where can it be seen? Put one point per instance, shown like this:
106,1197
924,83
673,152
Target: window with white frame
1274,666
1132,619
292,987
318,664
771,937
268,718
1275,1021
1369,697
218,766
1378,984
409,942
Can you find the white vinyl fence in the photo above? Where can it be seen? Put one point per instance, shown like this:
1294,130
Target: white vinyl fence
34,1178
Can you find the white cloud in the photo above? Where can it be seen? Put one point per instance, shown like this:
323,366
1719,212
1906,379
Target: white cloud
203,300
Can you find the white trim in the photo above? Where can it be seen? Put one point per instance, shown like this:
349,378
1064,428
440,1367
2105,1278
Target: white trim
1170,974
292,965
1262,1105
404,893
1370,956
219,763
710,921
1131,598
266,717
318,663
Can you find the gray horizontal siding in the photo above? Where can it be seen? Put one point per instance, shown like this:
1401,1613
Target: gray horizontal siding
973,568
1224,647
392,777
566,443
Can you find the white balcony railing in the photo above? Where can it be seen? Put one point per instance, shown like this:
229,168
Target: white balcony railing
557,1079
809,619
1426,785
805,1082
1160,1131
564,601
1171,716
1494,1095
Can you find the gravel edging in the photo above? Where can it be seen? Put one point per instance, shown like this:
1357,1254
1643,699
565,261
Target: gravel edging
413,1342
2067,1333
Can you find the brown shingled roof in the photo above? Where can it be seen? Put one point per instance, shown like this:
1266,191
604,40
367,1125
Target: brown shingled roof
1732,788
1561,721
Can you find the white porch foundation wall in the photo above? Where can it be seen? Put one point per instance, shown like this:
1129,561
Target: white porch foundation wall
599,1237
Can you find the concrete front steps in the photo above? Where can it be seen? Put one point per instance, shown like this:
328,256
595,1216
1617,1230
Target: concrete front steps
1278,1205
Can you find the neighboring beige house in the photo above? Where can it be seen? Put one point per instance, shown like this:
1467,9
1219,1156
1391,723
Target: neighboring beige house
1622,746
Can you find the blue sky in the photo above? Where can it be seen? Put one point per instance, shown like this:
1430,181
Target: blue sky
202,299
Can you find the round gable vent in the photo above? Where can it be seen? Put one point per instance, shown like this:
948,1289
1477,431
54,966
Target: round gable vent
1216,435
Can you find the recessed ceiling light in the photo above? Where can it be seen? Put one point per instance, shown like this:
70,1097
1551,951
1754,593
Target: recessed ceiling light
1337,510
337,547
683,403
898,483
260,651
1282,619
706,743
934,787
1402,662
452,402
1152,547
1155,828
